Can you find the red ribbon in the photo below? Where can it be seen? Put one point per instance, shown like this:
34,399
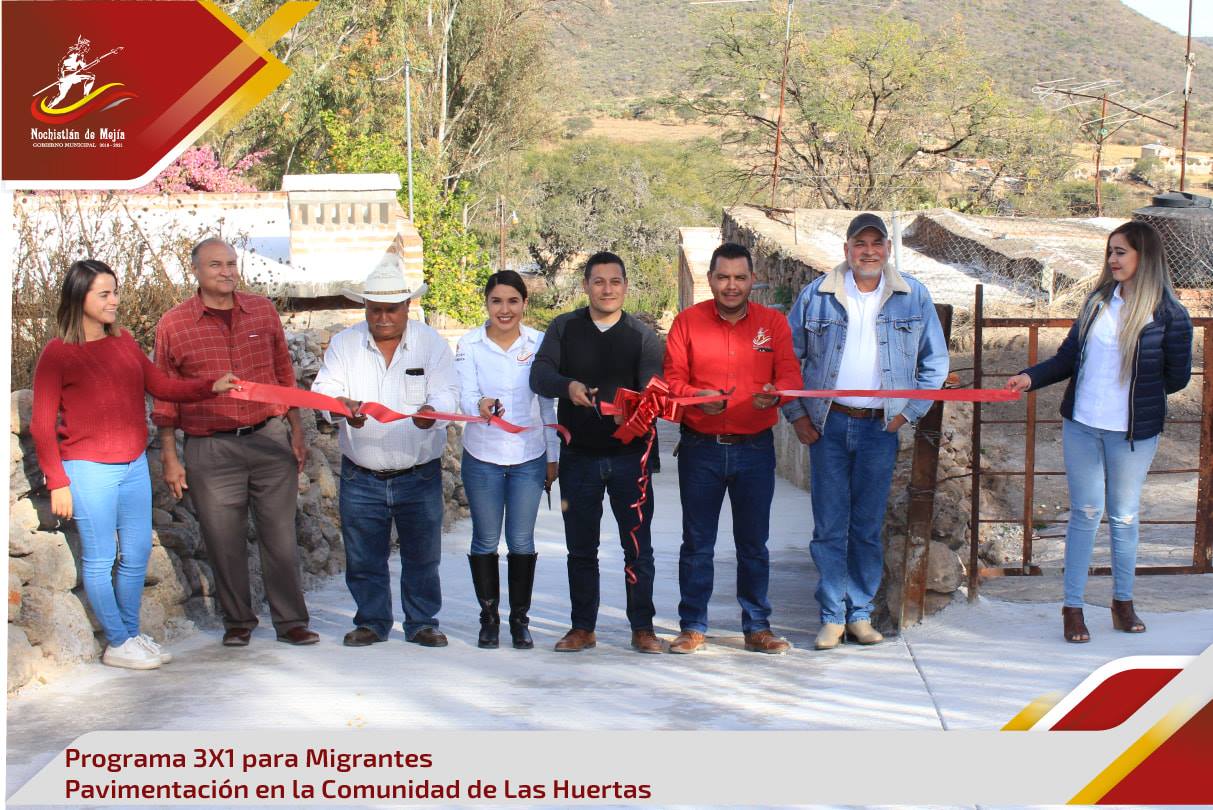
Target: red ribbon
299,398
946,394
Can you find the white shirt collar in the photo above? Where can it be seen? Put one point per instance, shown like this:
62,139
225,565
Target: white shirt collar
852,287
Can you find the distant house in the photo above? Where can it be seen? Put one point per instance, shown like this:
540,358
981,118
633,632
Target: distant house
1157,150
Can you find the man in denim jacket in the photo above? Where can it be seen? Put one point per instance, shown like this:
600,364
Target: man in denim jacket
863,326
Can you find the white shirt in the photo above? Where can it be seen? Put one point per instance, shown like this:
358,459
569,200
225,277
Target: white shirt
485,370
860,367
1101,400
355,368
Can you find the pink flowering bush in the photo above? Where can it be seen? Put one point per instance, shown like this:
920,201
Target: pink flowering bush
199,169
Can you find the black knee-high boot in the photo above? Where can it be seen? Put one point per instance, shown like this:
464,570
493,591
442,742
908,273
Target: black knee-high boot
521,580
487,582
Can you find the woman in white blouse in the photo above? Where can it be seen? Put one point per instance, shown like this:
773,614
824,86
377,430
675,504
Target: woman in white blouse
1130,347
504,474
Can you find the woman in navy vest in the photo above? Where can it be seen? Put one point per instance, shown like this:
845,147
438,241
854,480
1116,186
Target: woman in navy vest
1130,346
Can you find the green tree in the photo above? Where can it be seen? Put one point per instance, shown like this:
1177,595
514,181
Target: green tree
455,266
594,194
477,69
868,108
1153,172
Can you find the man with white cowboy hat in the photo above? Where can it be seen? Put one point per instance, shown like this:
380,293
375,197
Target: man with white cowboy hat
391,472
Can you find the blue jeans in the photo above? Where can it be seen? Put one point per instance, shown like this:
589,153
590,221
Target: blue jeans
583,480
112,505
706,470
511,491
1102,470
368,506
850,472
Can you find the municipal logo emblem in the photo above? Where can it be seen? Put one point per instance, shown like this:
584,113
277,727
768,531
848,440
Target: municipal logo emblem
53,104
762,340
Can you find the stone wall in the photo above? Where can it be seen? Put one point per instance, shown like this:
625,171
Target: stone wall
50,624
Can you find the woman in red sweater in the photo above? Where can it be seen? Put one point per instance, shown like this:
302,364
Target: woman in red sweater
90,432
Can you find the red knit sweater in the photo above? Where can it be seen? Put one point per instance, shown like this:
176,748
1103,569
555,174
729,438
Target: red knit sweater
89,403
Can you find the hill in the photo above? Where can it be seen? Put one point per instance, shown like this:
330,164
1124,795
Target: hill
614,54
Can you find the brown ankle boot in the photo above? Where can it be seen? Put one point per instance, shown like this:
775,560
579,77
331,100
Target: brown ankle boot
1125,618
1073,626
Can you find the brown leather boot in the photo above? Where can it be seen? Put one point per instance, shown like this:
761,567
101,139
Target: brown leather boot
1125,618
688,641
1073,627
764,641
646,641
576,640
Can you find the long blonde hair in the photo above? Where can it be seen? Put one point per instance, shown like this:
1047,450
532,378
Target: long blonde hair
1151,285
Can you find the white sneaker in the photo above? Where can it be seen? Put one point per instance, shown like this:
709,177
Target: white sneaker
150,643
131,654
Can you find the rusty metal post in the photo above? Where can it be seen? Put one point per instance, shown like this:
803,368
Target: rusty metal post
1029,457
921,511
1202,547
975,449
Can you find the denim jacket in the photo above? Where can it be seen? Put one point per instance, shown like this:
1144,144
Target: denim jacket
911,347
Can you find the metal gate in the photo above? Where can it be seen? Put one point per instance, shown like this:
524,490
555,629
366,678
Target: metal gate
1203,533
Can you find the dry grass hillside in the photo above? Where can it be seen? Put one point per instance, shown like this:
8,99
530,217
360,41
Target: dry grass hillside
613,54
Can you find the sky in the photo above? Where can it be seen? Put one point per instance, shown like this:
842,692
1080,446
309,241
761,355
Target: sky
1174,14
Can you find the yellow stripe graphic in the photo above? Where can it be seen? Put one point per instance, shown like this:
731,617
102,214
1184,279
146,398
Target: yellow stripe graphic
1135,754
1030,715
69,108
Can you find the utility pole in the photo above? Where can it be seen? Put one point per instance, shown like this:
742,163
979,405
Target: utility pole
1189,61
408,126
1099,129
783,83
1102,134
501,233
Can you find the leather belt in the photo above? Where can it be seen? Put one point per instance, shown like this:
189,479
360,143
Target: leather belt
857,413
243,431
384,475
726,438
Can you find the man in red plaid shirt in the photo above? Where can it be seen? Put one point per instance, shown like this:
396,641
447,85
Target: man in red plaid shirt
236,452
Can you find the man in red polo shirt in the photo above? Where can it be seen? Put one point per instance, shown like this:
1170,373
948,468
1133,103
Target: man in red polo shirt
237,452
734,346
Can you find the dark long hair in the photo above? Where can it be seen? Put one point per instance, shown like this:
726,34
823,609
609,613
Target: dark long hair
69,320
509,278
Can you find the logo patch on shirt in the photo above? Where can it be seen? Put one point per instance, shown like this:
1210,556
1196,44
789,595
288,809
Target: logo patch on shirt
762,340
524,356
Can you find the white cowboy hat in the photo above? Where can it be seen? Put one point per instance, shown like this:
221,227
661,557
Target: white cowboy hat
386,284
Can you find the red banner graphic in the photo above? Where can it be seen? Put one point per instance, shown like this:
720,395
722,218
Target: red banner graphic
104,95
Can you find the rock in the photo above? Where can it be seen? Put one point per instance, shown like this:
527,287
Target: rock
203,610
22,523
180,538
160,517
23,658
198,577
152,616
56,621
22,568
322,474
14,597
159,568
944,572
22,404
16,452
938,601
54,565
